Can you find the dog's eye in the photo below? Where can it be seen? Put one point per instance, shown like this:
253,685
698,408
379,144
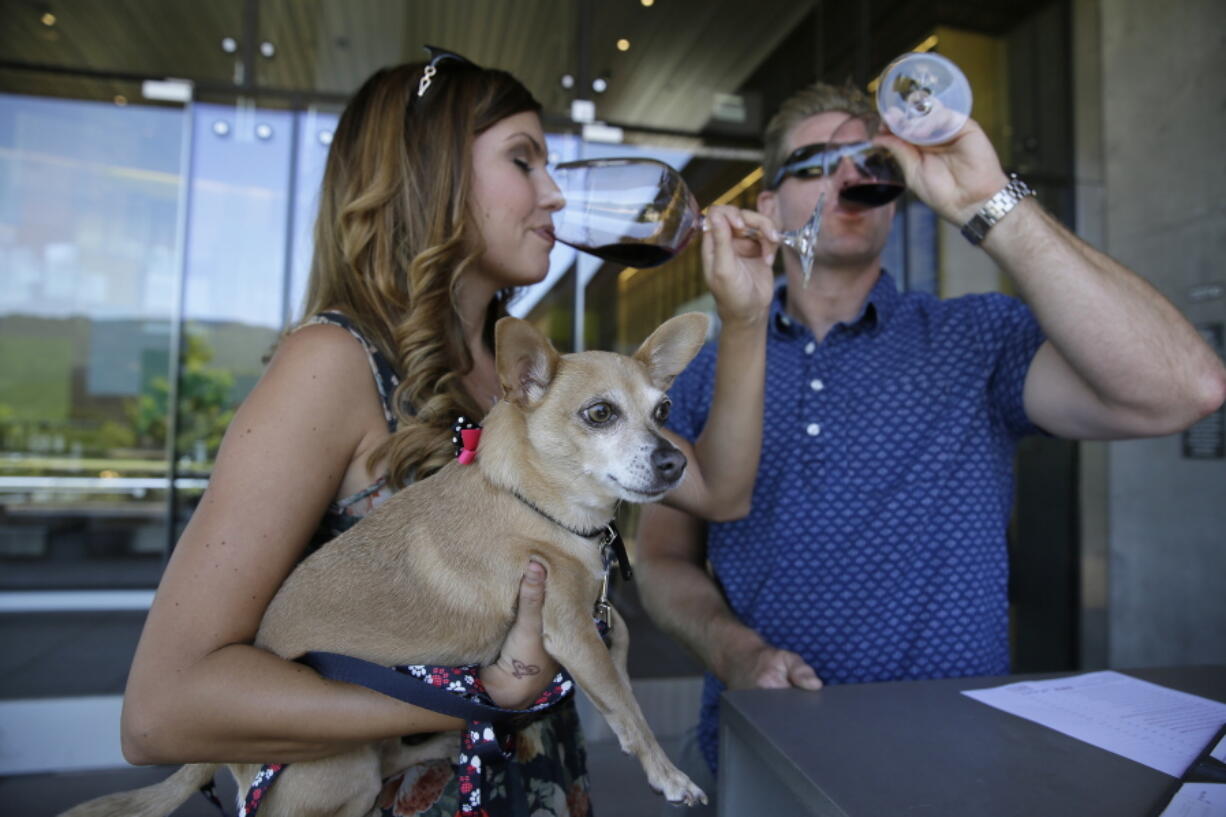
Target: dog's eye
598,413
662,411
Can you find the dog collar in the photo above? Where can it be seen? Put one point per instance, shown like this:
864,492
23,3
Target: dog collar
612,548
466,434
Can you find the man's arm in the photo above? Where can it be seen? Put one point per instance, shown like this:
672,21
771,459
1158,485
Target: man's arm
685,602
1120,360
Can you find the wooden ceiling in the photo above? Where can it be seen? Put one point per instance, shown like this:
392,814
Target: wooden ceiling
682,53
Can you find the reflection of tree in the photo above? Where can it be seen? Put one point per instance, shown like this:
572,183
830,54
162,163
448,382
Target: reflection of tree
87,436
204,403
7,428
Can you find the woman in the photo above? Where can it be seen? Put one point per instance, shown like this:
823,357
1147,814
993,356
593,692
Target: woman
436,203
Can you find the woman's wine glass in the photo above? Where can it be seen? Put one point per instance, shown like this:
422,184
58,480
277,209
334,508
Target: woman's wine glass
639,212
923,98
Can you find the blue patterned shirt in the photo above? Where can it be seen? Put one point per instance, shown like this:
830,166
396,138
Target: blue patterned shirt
876,545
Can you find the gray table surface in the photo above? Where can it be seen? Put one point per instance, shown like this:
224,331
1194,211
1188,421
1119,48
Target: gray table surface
913,748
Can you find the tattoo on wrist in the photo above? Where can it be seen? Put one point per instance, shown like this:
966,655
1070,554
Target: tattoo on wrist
521,670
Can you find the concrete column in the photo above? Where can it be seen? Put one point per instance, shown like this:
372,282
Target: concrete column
1162,199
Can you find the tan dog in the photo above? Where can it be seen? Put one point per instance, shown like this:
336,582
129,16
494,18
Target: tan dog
432,576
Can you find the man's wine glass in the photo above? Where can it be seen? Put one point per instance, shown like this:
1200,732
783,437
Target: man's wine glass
863,174
640,212
924,98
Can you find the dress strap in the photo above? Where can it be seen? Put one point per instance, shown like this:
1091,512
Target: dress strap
385,375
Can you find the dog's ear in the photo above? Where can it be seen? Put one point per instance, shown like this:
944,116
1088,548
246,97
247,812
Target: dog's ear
526,360
671,347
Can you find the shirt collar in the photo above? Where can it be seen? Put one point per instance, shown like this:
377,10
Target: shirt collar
880,304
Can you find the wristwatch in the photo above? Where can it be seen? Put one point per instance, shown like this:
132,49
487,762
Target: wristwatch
997,208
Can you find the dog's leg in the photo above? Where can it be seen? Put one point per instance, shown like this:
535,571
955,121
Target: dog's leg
573,640
395,755
343,785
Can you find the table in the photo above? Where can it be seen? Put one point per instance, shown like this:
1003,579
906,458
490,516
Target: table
921,748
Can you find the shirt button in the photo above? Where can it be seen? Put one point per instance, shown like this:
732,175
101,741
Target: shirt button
814,429
810,348
816,385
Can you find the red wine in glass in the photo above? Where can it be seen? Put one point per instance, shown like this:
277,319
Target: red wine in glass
632,255
871,194
639,212
864,173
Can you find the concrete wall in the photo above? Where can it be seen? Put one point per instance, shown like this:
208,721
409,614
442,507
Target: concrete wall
1151,182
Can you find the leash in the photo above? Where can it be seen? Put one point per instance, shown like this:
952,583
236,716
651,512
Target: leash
259,787
455,691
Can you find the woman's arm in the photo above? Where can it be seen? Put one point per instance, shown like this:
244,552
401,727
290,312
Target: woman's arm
198,690
723,461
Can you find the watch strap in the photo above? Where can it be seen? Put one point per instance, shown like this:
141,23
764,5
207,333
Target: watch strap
995,209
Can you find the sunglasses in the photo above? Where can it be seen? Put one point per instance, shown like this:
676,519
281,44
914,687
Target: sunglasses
822,158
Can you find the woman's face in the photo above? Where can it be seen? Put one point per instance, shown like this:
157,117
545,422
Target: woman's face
513,200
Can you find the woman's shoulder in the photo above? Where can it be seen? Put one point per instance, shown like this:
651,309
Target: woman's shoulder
332,327
321,366
321,347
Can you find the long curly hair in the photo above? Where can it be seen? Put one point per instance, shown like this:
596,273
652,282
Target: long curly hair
394,234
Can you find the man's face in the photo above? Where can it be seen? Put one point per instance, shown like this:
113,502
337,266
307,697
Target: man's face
851,235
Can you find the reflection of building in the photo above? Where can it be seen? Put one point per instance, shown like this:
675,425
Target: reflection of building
1098,103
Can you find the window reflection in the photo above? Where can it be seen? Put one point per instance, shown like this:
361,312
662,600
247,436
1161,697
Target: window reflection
237,222
88,207
91,204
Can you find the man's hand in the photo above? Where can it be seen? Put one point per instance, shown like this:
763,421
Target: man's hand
523,668
766,667
955,178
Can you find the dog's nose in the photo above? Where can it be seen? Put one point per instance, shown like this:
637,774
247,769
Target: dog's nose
668,461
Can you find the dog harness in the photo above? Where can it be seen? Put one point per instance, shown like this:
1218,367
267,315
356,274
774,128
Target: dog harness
488,736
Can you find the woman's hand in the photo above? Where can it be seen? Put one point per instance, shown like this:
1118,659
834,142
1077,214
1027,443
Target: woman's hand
738,269
523,668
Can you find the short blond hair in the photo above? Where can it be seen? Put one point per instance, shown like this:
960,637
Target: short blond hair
820,97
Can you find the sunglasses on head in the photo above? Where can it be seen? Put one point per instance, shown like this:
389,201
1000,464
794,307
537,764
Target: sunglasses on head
821,158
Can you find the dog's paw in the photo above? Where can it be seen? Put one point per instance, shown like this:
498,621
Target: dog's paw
679,789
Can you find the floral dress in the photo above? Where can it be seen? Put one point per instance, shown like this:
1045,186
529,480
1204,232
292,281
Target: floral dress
547,775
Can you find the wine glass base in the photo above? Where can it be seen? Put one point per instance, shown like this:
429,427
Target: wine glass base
804,240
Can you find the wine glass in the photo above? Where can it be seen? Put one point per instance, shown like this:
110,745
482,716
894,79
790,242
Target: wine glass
924,98
639,212
863,173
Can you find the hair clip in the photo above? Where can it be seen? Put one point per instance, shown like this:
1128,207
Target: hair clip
438,55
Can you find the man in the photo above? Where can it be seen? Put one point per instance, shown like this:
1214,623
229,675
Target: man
875,548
